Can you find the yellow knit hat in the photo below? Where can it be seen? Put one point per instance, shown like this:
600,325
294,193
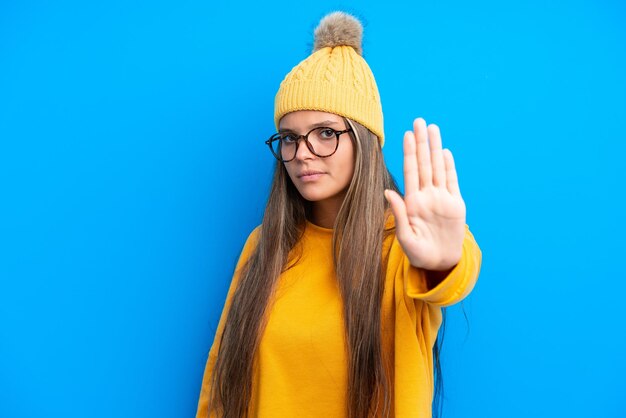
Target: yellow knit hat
334,78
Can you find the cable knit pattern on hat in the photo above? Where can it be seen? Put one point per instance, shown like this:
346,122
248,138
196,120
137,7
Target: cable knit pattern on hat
334,78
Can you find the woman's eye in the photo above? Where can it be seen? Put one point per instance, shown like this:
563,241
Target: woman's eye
327,133
289,138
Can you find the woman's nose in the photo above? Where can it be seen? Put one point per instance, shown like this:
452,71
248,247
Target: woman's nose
303,152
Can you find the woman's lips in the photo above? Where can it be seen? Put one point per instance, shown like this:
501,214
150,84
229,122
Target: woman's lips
310,176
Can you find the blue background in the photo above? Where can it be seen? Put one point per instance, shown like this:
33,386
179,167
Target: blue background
132,168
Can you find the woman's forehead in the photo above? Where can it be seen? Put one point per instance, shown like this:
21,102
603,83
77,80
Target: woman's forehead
306,119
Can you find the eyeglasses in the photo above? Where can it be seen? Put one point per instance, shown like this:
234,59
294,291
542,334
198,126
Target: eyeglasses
321,141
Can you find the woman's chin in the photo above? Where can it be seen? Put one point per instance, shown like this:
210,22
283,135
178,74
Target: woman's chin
312,195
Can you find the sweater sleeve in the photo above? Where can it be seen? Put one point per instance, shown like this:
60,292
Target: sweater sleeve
455,286
205,390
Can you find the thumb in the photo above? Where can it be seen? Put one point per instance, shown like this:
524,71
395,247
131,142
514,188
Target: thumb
399,212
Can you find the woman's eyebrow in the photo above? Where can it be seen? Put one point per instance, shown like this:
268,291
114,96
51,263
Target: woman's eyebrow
315,125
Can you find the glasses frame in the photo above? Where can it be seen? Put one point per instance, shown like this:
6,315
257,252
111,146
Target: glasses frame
277,137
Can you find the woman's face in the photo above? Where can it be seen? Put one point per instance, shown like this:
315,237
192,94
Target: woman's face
319,179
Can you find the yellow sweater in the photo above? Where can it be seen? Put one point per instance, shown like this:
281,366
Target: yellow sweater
302,363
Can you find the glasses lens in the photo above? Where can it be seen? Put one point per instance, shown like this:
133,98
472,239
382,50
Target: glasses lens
275,144
324,141
287,146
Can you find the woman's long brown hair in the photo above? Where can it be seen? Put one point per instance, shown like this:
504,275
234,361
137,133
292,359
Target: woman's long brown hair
359,266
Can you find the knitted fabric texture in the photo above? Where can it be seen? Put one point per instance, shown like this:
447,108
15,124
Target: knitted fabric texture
334,79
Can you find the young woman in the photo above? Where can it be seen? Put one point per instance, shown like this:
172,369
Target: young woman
335,303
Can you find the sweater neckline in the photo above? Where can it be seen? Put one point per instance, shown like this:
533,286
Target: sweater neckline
389,224
317,228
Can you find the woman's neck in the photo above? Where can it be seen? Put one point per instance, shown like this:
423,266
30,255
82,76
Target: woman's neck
324,212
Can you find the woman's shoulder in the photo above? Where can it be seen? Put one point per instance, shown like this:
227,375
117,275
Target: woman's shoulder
253,237
249,246
390,221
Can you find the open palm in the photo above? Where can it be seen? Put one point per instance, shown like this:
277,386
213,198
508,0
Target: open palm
430,219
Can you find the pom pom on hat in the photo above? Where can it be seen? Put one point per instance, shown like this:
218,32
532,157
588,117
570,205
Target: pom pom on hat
339,29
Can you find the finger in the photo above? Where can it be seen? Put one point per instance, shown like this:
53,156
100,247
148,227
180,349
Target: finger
452,181
411,177
436,156
399,213
423,153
